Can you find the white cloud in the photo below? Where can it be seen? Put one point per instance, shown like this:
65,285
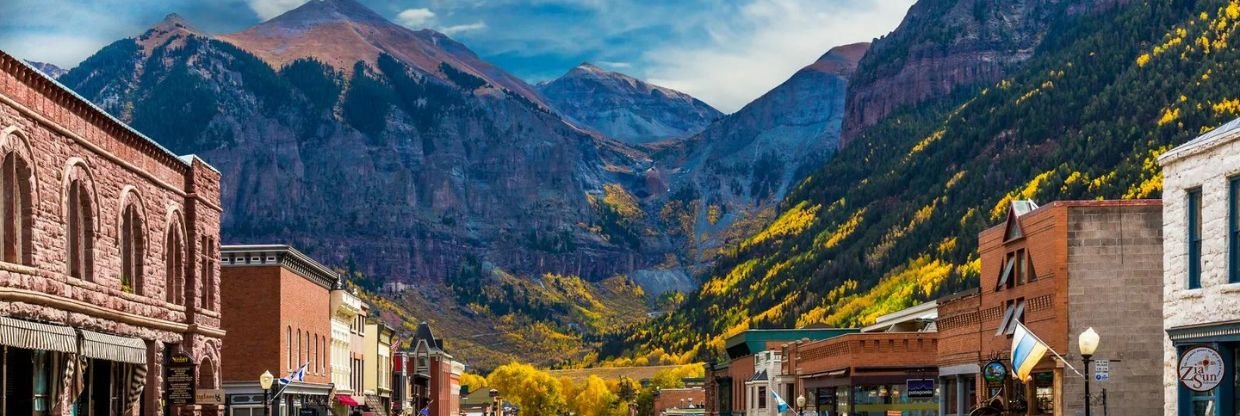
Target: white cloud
267,9
415,18
470,27
615,65
748,54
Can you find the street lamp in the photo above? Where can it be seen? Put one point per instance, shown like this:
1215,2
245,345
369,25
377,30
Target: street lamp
1088,341
265,381
801,405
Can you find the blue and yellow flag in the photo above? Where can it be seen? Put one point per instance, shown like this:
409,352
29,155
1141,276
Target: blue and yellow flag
1027,351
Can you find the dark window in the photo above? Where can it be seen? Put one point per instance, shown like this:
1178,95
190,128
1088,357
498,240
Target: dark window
133,245
1233,234
81,232
174,262
15,204
1194,239
761,397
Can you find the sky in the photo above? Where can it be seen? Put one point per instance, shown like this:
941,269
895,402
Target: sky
724,52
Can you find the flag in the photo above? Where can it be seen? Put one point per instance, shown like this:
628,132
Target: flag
296,375
1027,351
780,405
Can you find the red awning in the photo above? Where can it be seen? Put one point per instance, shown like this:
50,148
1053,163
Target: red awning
346,400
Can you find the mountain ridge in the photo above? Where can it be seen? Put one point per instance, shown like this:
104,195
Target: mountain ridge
625,108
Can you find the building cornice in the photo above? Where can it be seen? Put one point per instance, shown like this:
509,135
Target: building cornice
284,256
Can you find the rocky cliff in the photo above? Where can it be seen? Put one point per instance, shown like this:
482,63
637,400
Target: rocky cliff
943,45
625,108
400,164
748,160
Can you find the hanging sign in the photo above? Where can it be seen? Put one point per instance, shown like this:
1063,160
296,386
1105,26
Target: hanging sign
1201,369
994,372
919,388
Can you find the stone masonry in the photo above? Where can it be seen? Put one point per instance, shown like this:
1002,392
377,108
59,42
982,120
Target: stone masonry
1207,164
61,136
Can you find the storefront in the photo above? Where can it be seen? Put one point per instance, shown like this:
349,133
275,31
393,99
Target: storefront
297,399
1206,382
910,392
52,369
958,389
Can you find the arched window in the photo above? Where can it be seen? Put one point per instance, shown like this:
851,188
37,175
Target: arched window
209,256
133,246
15,210
174,261
81,231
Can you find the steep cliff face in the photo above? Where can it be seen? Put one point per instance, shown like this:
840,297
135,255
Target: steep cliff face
943,45
625,108
748,160
400,165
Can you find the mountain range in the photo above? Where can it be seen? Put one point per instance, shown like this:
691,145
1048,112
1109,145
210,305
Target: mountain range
1101,90
626,108
402,156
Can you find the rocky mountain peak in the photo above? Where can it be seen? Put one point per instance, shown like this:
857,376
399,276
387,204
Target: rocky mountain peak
172,28
48,69
317,12
841,60
626,108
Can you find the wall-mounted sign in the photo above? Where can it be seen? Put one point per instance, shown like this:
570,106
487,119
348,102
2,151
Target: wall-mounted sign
1201,369
994,372
179,379
209,396
1102,370
922,388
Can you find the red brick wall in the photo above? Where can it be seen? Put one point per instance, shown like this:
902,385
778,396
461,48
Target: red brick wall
958,329
670,398
261,304
1045,238
740,370
444,388
872,349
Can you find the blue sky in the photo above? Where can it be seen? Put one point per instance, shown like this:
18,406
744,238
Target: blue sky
725,52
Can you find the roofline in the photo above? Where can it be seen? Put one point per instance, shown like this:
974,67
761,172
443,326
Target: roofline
1202,143
1089,203
321,272
90,106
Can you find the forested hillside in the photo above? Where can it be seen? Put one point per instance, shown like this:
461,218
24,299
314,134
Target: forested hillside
892,220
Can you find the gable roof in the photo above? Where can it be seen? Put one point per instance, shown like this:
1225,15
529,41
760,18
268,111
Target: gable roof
424,333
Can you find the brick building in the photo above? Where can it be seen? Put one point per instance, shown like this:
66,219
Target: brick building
1059,269
1201,309
107,258
276,304
685,398
440,372
727,381
879,371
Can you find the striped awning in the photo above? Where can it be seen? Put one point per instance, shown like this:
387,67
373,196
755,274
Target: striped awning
113,348
37,336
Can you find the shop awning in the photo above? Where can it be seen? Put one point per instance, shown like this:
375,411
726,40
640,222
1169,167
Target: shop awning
37,336
113,348
346,400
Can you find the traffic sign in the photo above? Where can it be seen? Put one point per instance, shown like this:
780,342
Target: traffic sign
1102,370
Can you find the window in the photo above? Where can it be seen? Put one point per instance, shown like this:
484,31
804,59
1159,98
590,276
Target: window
81,231
209,256
174,261
15,206
132,248
298,363
289,347
761,397
1194,239
1233,234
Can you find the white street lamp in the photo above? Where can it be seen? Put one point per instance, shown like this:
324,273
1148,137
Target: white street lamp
265,381
801,404
1088,342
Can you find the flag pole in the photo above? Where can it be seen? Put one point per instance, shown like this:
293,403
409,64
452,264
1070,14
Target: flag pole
1052,350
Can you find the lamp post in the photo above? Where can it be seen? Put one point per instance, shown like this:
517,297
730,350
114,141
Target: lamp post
801,405
265,381
1088,341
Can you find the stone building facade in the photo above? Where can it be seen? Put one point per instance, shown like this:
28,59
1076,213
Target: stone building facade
107,257
1201,282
